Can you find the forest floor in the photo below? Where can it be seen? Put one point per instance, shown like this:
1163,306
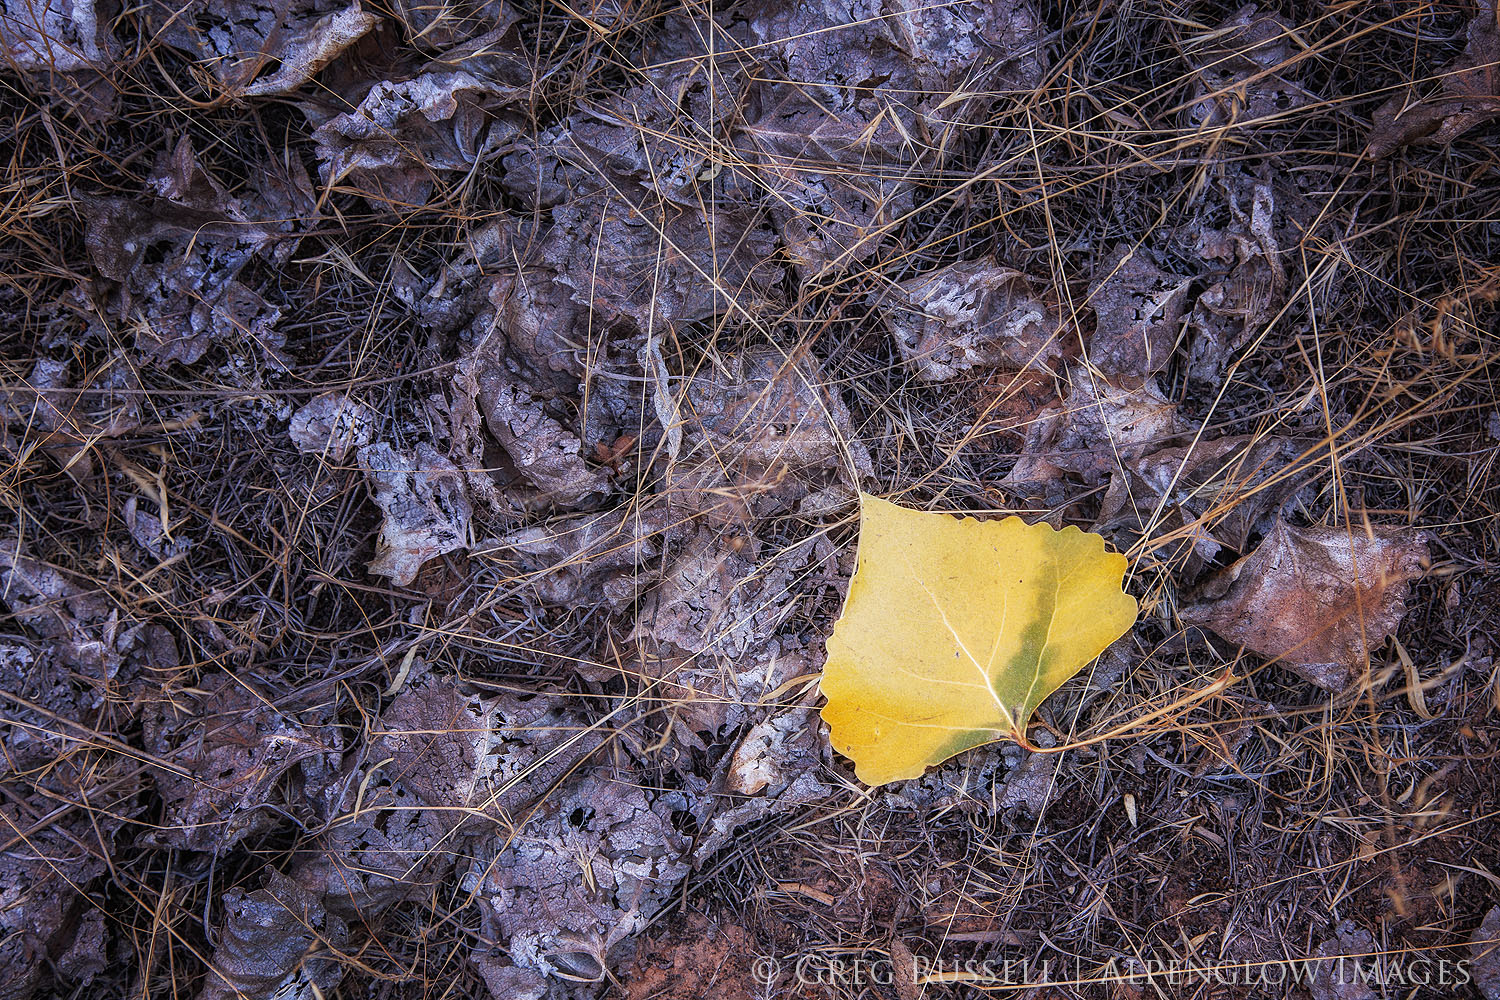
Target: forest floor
432,439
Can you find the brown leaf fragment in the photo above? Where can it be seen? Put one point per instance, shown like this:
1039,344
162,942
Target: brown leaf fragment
977,314
237,750
1245,70
1138,309
276,941
1097,428
1204,496
259,47
195,297
655,262
425,504
545,452
594,862
392,146
766,415
332,424
1469,94
50,860
855,99
1319,600
1249,280
47,412
1344,965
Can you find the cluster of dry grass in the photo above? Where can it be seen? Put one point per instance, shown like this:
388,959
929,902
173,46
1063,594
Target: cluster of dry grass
1242,828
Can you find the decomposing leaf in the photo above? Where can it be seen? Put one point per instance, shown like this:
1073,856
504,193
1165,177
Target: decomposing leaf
590,866
276,942
1139,310
1249,278
1337,959
650,261
425,505
1245,71
260,47
1096,428
402,132
545,451
1469,94
195,296
332,424
974,314
49,413
1484,955
1317,600
856,99
236,749
1209,494
955,630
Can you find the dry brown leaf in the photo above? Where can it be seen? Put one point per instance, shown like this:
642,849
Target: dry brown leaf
1469,94
972,315
276,942
1318,600
1094,431
332,425
425,504
194,296
51,36
1484,955
402,133
1138,309
260,47
1211,494
1244,72
239,752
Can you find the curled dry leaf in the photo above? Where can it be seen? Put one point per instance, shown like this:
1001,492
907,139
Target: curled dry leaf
276,942
1208,494
1469,94
390,146
955,630
235,750
1097,428
260,47
1318,600
974,314
332,425
426,508
546,453
1138,309
1244,72
49,413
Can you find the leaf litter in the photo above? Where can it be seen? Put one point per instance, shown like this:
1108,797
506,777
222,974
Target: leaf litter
566,346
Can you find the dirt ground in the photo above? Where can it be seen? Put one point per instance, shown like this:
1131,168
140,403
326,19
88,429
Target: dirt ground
432,437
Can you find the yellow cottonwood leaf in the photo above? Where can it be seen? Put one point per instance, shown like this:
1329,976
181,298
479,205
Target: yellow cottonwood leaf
955,630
